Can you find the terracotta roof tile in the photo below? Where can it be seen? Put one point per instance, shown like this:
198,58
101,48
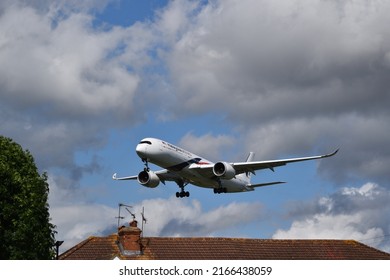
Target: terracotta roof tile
93,248
240,248
225,248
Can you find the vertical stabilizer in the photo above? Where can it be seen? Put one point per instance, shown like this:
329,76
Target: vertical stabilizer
250,157
247,175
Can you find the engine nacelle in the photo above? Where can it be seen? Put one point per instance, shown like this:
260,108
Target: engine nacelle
148,179
224,170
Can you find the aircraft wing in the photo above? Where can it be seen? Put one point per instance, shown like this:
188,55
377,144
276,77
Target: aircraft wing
114,177
242,167
163,175
252,166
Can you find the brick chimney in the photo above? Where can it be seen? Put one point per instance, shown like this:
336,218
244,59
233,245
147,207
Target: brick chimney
129,239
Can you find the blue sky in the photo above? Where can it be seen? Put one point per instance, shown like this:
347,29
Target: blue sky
126,13
82,83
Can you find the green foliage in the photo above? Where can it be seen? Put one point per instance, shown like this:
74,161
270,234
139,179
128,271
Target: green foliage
25,228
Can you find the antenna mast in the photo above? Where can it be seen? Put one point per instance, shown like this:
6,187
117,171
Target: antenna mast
119,211
143,221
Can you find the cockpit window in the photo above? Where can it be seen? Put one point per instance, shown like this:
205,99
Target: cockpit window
146,142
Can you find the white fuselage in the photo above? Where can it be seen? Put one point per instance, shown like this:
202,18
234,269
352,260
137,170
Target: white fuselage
179,161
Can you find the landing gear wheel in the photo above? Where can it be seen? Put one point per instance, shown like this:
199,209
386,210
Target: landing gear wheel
220,190
182,194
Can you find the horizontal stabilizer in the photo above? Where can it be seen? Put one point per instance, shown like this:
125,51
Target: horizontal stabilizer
252,186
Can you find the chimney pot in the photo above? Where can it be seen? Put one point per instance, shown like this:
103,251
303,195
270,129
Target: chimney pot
133,223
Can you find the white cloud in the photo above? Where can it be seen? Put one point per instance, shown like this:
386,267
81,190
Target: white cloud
323,226
361,214
174,19
361,140
368,190
74,218
209,146
67,68
64,81
253,54
78,221
176,217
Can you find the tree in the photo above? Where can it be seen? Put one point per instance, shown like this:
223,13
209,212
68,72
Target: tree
25,228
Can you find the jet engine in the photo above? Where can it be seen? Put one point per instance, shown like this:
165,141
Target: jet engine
148,179
224,170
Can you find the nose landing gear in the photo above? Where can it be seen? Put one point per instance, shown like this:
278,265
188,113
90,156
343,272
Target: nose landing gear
145,161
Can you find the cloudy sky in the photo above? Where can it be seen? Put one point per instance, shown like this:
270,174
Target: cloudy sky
82,82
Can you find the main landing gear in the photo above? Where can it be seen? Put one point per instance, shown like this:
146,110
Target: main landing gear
220,190
182,193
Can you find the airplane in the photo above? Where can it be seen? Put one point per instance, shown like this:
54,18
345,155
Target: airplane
184,167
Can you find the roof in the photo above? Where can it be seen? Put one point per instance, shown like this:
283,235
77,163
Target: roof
165,248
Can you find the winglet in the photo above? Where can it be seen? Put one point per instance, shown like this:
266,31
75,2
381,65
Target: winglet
331,154
114,176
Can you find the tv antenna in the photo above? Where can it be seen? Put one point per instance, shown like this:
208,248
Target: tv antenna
127,209
144,220
119,211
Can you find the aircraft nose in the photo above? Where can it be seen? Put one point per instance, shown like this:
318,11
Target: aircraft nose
141,150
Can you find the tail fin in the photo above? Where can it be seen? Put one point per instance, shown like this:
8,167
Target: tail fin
247,176
250,157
